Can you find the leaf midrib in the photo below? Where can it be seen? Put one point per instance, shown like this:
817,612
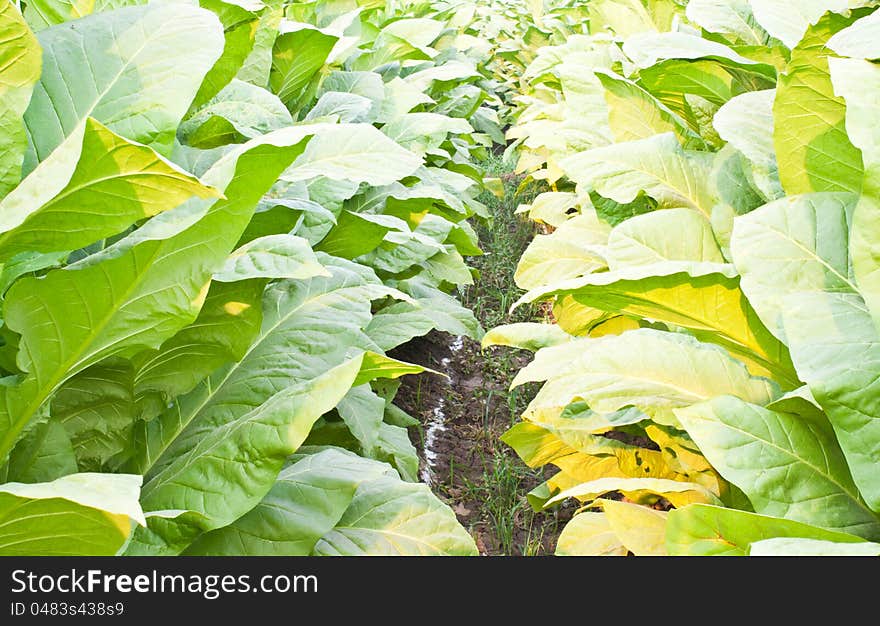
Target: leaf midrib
791,454
209,397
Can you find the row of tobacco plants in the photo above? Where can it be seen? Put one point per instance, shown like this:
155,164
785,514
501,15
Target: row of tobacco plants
711,378
215,219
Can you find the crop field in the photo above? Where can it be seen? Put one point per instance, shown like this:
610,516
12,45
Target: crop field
439,277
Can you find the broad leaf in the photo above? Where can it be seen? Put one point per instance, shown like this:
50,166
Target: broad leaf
240,111
96,408
79,514
391,517
305,503
798,546
787,466
298,53
700,530
656,166
135,297
589,534
94,185
273,256
793,257
812,147
353,152
21,62
789,20
135,69
641,529
210,470
652,370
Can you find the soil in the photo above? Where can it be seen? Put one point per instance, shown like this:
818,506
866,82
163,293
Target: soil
470,459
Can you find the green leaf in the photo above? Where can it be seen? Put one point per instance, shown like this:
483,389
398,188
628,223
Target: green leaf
239,33
43,454
77,515
421,132
812,147
792,255
308,327
222,468
798,546
401,251
135,69
787,466
137,295
858,82
167,533
648,48
395,447
377,365
634,113
417,32
701,530
273,256
94,185
227,324
356,234
300,50
674,80
353,152
432,309
239,112
362,411
391,517
41,14
746,122
575,248
449,267
656,166
341,107
455,70
307,500
728,17
96,408
799,243
258,64
28,263
368,85
20,66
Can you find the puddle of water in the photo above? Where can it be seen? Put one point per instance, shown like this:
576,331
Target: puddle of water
437,421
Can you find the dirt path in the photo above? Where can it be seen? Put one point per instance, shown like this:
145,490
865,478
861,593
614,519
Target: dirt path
462,456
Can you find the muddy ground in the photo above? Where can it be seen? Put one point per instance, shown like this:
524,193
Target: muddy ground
478,475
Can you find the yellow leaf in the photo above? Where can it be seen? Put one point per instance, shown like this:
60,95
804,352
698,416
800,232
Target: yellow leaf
614,326
589,534
574,317
646,490
640,529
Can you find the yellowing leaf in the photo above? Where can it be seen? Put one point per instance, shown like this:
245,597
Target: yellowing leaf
641,529
589,534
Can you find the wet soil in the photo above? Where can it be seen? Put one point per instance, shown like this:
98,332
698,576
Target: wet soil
467,465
